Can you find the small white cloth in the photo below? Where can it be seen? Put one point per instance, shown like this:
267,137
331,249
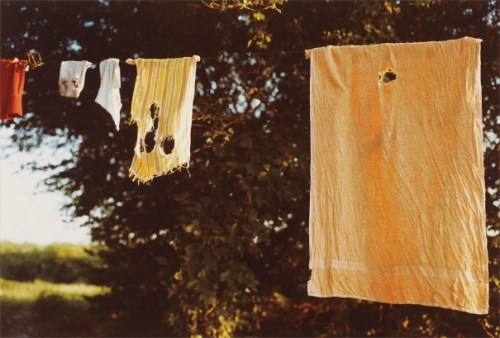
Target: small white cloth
72,77
109,91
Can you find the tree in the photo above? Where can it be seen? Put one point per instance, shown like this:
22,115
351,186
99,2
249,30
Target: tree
222,250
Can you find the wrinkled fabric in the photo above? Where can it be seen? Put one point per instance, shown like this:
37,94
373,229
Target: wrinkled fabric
12,77
397,209
162,106
72,77
109,90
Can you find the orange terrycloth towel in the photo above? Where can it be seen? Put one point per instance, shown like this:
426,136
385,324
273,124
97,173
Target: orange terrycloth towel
397,177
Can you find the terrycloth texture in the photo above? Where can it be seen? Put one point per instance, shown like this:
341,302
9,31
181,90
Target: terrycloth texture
397,190
168,86
109,91
12,76
72,77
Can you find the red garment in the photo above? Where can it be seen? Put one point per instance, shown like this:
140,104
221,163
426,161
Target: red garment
12,74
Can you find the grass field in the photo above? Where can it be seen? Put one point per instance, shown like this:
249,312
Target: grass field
41,307
27,292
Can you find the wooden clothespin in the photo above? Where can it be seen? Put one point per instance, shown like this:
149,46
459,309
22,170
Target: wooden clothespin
308,53
34,59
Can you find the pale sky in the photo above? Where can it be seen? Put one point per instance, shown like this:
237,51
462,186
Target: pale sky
27,214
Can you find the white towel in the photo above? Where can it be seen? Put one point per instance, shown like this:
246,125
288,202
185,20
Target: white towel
72,77
109,91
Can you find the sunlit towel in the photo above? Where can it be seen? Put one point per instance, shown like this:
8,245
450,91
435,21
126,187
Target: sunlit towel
397,180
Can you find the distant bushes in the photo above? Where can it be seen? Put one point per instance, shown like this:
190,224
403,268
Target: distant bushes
58,263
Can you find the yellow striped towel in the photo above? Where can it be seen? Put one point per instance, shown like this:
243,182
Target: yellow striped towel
167,85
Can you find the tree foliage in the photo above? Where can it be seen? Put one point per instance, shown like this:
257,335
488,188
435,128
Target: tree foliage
251,5
222,250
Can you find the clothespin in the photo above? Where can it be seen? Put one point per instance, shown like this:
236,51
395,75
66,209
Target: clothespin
34,59
308,53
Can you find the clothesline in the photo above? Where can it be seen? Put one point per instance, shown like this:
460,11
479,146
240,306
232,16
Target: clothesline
168,84
220,57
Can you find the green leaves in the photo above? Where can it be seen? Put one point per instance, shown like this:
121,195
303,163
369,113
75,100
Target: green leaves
245,5
259,16
246,143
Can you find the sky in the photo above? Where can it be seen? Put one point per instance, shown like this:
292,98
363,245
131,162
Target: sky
27,213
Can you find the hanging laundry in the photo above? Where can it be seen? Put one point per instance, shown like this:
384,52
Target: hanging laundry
12,76
397,208
165,87
72,77
109,91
